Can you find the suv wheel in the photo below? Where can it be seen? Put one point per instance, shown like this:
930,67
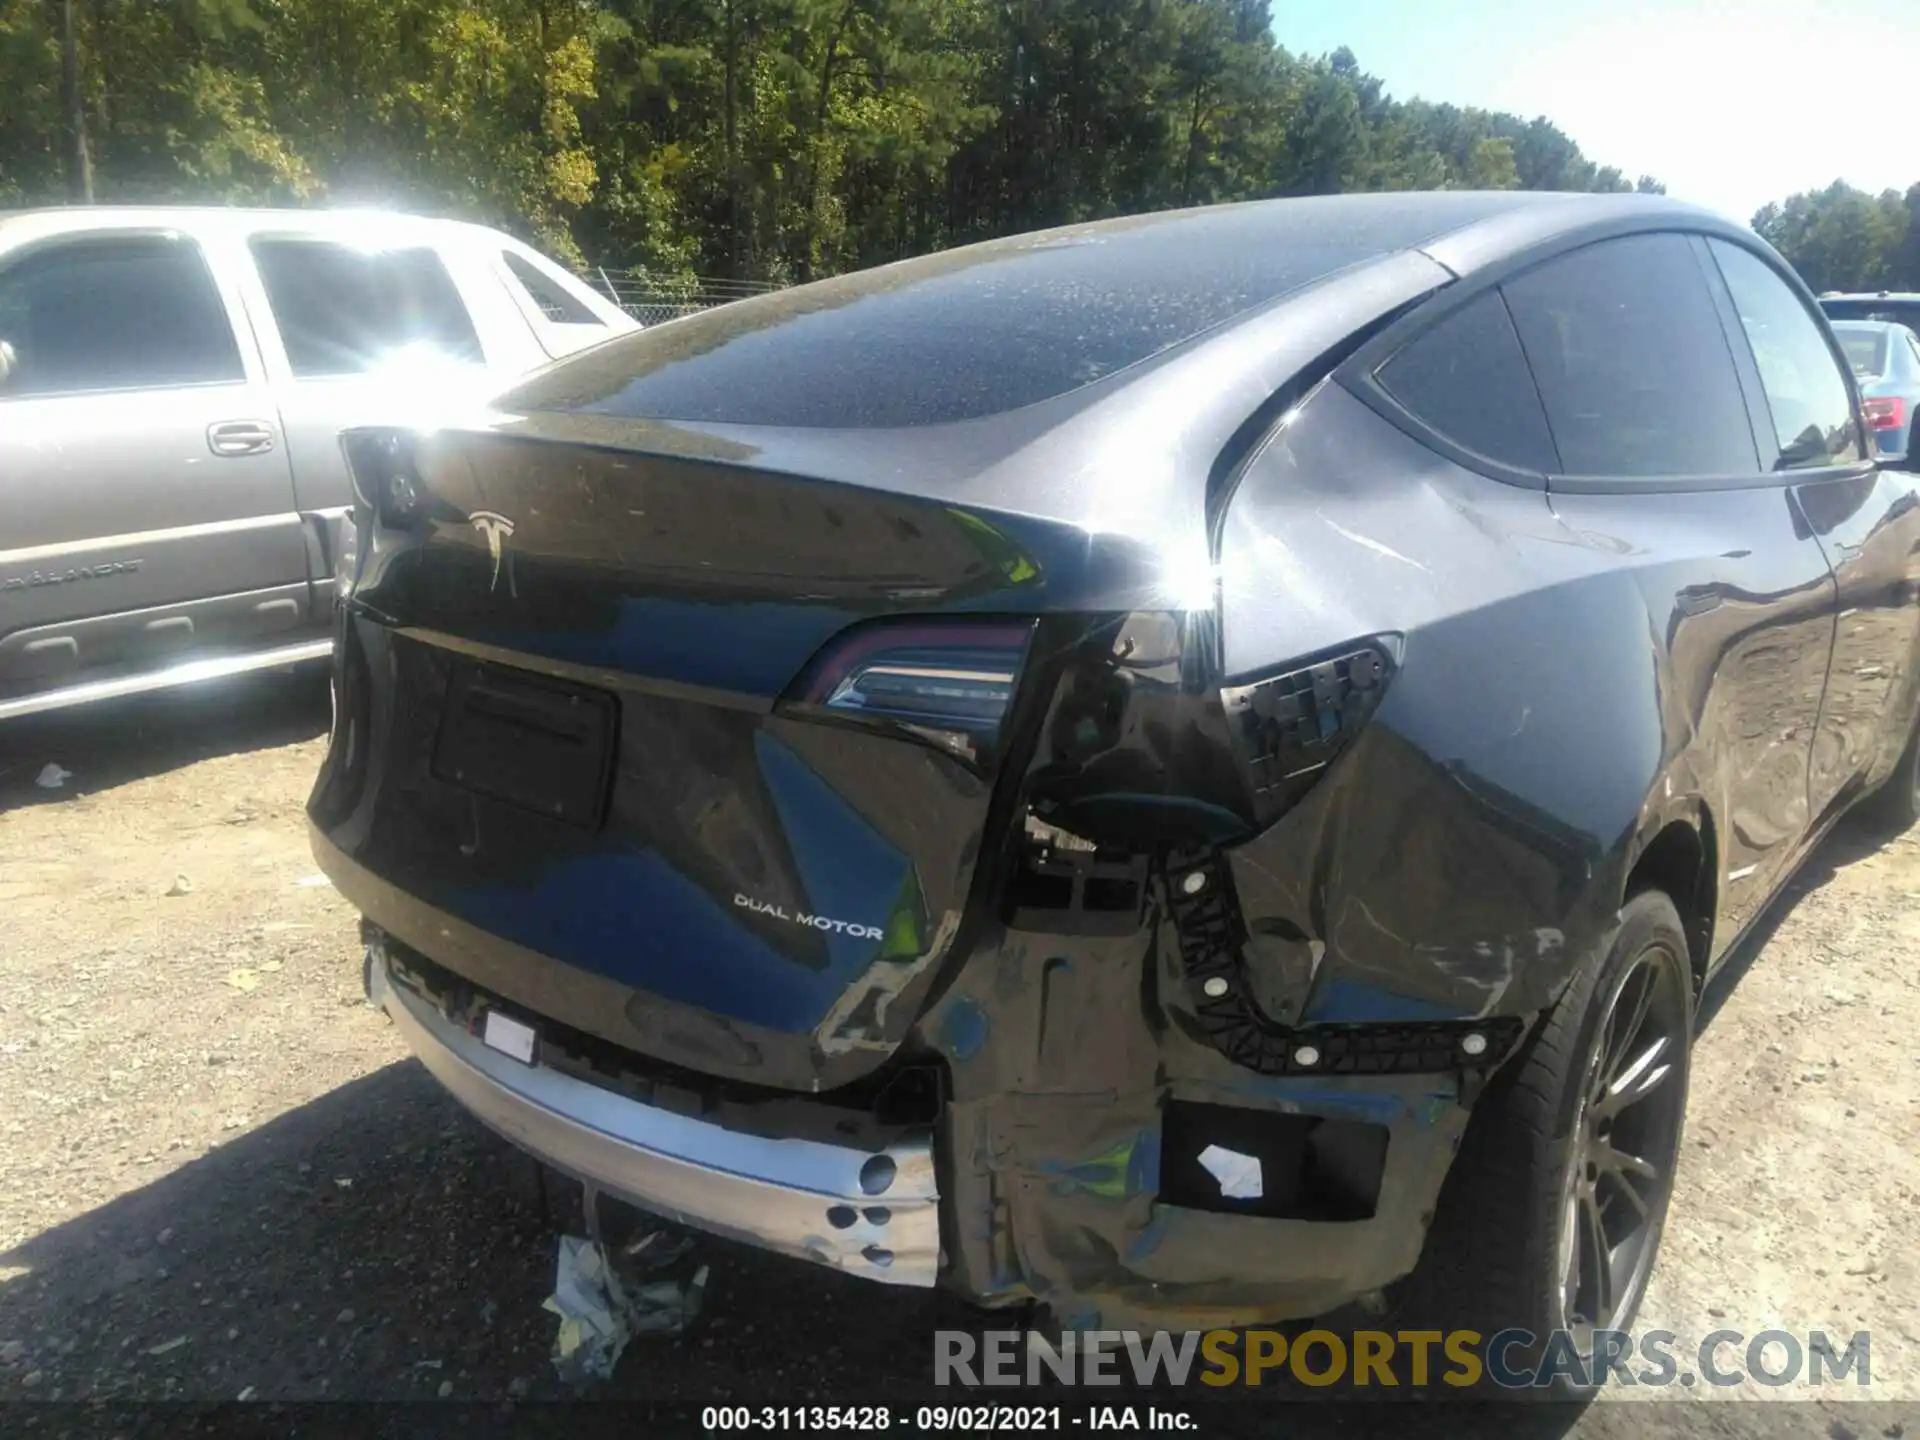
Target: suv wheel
1550,1220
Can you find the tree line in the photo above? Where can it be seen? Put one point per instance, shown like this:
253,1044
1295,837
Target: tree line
1841,238
760,139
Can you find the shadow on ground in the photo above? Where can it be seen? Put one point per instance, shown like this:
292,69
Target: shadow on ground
1855,838
112,743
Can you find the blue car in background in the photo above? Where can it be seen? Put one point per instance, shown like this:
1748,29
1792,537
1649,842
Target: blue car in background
1886,362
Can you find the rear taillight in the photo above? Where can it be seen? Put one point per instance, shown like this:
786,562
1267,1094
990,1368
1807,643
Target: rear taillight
1886,412
949,683
381,466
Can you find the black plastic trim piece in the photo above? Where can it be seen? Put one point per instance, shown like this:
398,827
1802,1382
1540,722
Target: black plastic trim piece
1289,727
1206,918
1057,891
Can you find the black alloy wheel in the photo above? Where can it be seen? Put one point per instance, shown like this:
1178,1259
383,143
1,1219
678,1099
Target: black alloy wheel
1625,1143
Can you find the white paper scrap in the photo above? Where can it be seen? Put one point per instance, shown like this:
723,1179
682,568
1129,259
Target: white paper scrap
1239,1175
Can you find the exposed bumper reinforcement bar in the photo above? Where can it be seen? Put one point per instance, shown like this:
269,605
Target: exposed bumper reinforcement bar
189,672
874,1215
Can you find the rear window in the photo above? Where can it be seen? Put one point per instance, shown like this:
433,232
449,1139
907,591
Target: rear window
987,329
1866,350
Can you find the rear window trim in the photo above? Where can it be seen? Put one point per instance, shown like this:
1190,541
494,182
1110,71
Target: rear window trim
1357,377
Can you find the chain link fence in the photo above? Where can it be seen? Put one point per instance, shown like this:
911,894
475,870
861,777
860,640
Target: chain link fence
652,300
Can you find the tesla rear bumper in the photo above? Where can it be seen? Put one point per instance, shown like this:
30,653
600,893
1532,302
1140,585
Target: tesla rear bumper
872,1215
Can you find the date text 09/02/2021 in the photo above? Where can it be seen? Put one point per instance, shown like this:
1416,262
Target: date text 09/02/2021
964,1419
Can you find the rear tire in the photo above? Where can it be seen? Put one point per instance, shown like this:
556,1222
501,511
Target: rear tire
1570,1155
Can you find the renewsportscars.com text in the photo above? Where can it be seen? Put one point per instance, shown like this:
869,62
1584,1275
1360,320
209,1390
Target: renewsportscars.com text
1509,1359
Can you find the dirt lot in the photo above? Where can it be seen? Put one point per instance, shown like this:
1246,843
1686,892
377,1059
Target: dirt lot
220,1174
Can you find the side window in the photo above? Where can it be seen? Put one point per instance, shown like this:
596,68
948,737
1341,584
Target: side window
1632,362
554,302
1467,379
130,312
342,310
1807,392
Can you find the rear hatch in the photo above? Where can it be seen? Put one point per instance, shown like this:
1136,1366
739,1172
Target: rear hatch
651,728
692,757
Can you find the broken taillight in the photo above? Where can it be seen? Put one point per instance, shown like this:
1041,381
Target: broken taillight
1289,727
380,463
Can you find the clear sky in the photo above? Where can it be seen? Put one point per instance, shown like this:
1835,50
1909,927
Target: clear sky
1730,104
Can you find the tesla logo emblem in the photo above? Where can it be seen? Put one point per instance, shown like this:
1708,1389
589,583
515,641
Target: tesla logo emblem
496,528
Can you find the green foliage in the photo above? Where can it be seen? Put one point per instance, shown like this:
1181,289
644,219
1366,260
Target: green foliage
1841,238
764,139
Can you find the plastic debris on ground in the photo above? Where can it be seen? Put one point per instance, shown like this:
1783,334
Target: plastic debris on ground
606,1291
1239,1175
52,777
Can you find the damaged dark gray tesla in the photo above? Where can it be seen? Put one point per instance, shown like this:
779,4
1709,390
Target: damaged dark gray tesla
1184,769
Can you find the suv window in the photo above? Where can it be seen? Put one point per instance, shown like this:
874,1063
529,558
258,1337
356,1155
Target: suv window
1632,362
554,302
343,310
128,312
1467,379
1807,392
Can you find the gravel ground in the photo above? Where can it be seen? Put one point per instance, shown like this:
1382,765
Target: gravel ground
221,1176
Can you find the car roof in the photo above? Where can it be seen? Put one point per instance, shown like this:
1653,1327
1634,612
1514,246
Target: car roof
1135,382
991,328
1866,325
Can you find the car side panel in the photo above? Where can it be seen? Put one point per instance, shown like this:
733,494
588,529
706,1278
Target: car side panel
1740,609
1869,526
1571,669
1468,848
117,505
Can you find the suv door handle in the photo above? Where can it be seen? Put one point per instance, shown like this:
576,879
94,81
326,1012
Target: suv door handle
239,437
